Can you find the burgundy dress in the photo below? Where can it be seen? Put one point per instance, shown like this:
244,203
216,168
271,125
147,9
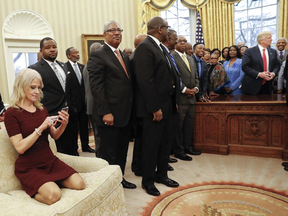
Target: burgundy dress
38,164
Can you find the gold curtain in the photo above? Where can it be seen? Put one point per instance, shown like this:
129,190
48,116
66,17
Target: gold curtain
218,22
148,9
283,19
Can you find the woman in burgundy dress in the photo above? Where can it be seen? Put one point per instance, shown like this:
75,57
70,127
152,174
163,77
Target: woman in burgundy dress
27,123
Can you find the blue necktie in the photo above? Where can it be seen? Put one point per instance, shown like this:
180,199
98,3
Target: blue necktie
199,67
173,60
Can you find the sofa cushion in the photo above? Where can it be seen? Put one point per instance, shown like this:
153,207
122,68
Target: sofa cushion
8,180
12,206
99,185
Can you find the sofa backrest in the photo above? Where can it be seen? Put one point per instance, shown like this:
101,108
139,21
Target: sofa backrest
8,180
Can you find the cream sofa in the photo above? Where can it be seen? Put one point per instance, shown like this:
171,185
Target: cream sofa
103,194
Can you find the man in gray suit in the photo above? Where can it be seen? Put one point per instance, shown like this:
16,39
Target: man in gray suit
90,101
190,87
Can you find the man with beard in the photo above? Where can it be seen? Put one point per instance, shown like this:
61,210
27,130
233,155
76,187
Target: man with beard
54,75
77,92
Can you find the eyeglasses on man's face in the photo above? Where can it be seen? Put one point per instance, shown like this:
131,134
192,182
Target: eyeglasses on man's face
163,26
182,41
114,30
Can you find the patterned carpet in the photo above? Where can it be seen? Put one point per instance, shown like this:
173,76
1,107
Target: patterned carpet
214,199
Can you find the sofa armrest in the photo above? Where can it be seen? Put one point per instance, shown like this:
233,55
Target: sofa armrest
83,164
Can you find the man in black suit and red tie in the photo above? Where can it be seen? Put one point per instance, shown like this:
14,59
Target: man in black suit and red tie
54,75
111,87
260,65
155,104
77,92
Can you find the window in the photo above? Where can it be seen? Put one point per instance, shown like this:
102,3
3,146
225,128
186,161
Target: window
180,19
253,17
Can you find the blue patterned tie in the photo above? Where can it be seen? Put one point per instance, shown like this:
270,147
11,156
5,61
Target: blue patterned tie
173,60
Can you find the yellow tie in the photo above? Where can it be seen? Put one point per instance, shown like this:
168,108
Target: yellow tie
186,61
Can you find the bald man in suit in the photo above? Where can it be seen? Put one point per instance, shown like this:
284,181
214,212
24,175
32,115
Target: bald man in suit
155,103
187,100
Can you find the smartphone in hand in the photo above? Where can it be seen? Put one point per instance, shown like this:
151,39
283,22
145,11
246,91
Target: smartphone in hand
57,123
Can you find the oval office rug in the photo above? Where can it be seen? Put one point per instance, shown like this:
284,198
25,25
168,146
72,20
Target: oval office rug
219,199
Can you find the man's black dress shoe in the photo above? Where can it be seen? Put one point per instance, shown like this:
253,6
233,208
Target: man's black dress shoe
191,152
127,184
286,168
168,182
172,160
285,164
170,168
138,173
88,149
151,189
183,157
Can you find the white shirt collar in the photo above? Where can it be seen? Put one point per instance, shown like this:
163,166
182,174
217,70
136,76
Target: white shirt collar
156,40
112,48
180,53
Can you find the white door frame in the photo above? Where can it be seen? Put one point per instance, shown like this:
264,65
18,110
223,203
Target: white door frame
17,46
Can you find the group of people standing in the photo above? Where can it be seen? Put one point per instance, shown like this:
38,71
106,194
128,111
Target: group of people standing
151,94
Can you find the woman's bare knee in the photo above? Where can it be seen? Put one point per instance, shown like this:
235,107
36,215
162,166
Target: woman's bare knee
54,196
49,193
75,181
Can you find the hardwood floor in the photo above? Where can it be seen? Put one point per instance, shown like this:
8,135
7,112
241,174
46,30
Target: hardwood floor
266,172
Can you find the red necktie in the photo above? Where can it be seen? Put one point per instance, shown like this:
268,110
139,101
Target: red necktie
264,64
121,62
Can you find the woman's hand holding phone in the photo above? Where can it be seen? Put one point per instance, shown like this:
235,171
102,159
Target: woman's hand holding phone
63,117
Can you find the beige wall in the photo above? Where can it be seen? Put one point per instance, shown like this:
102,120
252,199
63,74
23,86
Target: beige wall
69,19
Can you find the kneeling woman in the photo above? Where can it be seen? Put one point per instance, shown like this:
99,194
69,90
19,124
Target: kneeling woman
27,123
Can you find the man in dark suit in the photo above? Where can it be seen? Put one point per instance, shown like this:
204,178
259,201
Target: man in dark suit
260,65
155,103
90,101
282,55
111,87
54,75
188,72
202,72
77,92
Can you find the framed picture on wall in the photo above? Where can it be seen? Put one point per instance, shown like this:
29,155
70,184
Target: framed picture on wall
87,40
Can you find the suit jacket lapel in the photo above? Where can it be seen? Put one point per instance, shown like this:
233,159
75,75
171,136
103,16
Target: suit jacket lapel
182,62
259,56
115,59
50,72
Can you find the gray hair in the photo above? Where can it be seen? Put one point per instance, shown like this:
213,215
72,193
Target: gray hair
94,46
281,39
106,25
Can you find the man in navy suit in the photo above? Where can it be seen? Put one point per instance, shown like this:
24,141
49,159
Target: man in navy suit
77,92
111,87
54,75
155,104
260,65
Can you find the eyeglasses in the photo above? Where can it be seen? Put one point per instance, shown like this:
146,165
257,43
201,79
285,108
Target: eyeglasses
163,26
213,58
113,30
182,41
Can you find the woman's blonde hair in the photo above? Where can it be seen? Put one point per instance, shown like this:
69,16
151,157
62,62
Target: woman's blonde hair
23,81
